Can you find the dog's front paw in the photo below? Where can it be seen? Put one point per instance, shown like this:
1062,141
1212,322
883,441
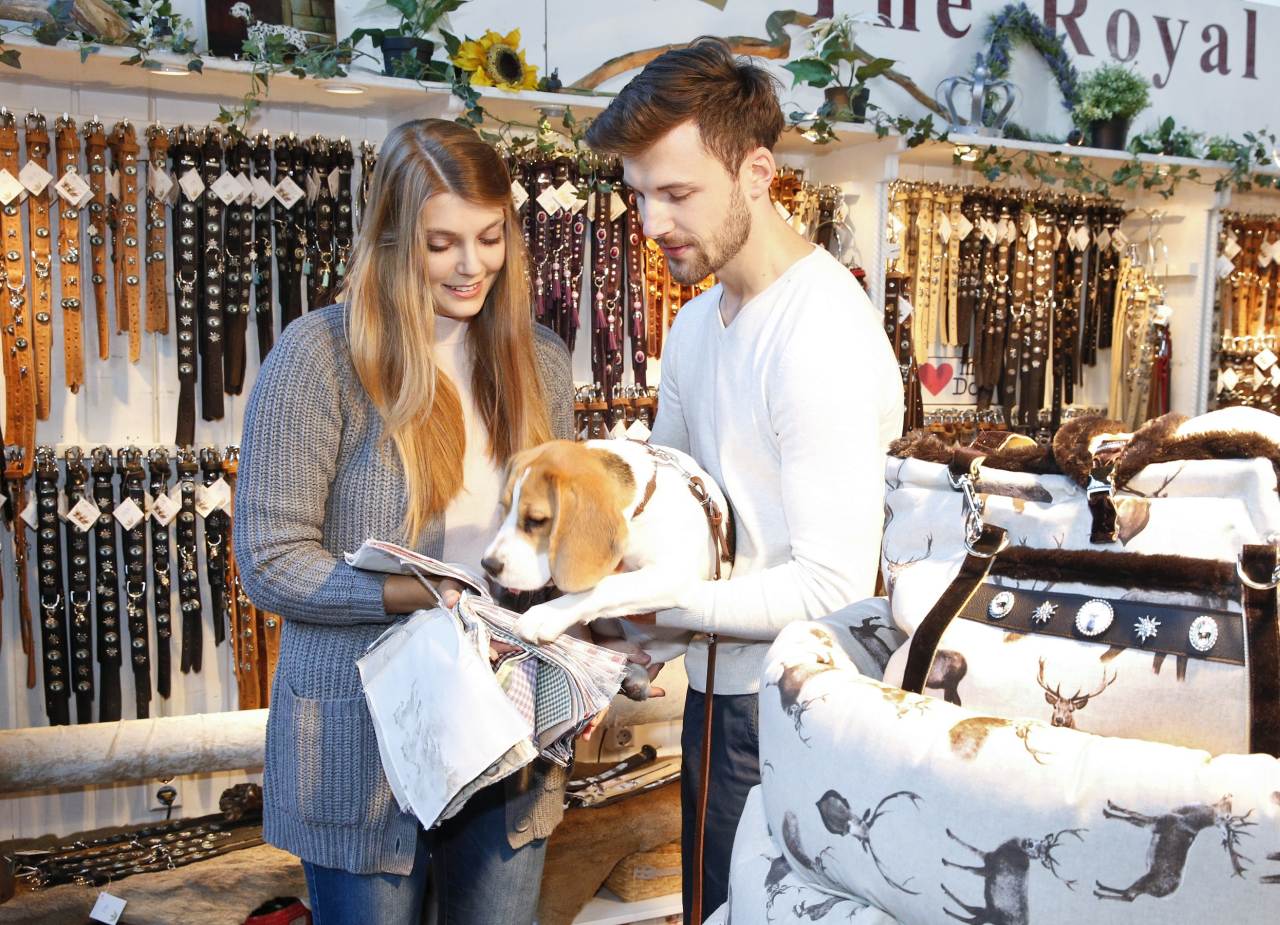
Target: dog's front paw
542,624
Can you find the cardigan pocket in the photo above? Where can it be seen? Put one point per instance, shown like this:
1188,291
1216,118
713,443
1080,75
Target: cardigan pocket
324,755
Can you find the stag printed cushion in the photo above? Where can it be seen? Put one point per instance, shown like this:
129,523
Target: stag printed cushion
1136,632
931,812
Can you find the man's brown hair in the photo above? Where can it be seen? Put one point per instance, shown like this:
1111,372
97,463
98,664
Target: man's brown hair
732,101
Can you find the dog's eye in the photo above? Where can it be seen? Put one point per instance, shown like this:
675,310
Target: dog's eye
533,522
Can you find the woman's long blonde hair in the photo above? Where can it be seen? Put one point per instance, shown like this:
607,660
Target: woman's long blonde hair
392,317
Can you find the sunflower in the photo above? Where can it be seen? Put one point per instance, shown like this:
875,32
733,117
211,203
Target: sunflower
497,61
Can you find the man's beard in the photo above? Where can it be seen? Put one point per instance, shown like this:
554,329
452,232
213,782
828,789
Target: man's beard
702,262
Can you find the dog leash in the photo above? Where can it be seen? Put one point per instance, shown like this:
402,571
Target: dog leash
722,540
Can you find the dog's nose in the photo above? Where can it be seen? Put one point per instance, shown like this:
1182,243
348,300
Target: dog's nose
492,565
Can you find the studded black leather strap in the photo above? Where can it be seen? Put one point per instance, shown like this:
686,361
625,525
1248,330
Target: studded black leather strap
263,250
212,269
159,472
239,280
133,487
320,271
188,576
215,547
186,270
344,219
52,595
107,585
291,236
78,585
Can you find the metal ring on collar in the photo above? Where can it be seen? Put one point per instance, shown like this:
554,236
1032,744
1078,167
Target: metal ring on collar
1249,582
969,545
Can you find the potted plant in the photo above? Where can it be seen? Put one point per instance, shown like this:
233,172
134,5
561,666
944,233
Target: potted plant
832,66
406,50
1109,99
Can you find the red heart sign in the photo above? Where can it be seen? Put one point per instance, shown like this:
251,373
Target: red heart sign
935,378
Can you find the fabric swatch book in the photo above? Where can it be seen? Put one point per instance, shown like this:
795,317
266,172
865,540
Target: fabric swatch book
428,679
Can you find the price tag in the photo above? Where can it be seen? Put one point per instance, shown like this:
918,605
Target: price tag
10,188
127,514
905,308
618,207
107,909
944,228
334,179
1119,239
566,195
964,227
638,431
263,192
192,185
1228,380
1275,376
1103,239
777,207
549,201
159,183
35,178
1265,359
519,194
288,192
113,184
73,189
618,431
246,188
84,515
226,188
1231,248
313,186
163,509
1224,266
62,506
210,498
28,514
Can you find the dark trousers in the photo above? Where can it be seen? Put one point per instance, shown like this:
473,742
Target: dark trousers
735,769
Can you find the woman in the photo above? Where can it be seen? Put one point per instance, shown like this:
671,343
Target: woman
391,416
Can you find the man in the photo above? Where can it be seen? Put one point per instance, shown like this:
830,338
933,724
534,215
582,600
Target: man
779,381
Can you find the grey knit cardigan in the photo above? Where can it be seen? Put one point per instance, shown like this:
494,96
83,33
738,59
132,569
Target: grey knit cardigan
314,483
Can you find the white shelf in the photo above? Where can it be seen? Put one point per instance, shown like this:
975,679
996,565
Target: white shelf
607,909
227,81
941,153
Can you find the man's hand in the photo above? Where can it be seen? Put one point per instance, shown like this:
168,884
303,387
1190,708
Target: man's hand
498,648
635,655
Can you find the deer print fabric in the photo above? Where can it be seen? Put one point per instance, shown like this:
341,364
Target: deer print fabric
878,807
1205,509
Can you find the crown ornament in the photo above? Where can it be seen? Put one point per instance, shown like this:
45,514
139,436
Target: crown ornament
989,100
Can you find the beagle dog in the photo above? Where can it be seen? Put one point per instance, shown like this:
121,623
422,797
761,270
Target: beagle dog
613,524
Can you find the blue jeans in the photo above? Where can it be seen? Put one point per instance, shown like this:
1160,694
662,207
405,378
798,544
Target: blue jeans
476,877
735,769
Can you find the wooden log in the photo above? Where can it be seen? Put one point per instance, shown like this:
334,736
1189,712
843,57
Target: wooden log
136,749
95,17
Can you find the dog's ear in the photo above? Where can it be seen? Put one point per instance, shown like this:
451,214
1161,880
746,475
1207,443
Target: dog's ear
588,534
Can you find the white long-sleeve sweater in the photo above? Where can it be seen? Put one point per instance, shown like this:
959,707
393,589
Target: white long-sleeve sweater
790,408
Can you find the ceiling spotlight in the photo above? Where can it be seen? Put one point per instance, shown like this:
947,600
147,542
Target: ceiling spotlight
342,89
169,70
